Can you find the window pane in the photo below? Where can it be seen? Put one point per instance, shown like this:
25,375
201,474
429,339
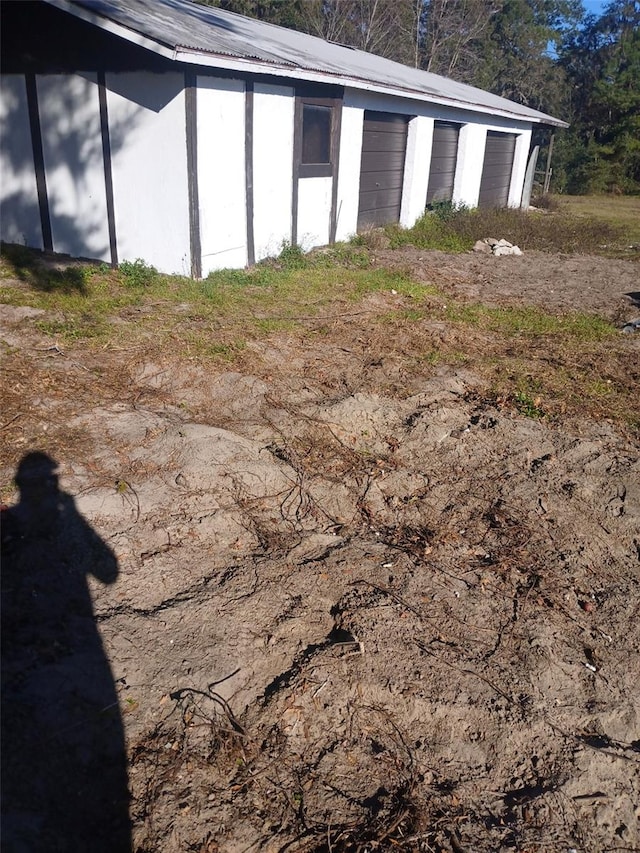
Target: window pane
316,134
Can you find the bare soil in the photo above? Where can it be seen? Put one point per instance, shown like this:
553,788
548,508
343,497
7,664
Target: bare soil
358,607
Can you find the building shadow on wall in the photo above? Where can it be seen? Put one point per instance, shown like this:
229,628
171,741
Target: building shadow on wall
64,770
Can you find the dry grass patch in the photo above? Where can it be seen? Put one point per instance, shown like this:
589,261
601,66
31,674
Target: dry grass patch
458,230
619,211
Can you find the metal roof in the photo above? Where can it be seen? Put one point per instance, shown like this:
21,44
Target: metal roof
204,35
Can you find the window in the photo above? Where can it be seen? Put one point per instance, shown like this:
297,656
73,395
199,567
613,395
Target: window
316,134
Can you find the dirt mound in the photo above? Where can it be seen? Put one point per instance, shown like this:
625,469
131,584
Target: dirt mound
348,619
426,637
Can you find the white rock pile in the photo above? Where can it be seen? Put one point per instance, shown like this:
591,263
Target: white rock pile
491,246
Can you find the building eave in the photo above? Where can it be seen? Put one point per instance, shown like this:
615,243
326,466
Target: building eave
239,64
113,27
294,71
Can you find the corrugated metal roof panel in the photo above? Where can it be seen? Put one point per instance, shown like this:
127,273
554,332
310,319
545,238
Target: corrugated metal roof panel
187,27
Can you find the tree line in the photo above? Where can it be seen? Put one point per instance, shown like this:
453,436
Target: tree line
546,54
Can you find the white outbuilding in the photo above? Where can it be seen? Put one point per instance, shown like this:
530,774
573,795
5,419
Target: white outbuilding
197,139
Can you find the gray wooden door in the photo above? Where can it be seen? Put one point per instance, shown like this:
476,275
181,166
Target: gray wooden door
497,168
384,144
444,154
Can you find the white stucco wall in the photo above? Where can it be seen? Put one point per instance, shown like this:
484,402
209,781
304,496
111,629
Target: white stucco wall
520,158
471,144
273,115
19,210
149,159
74,164
416,170
314,212
349,171
221,173
471,148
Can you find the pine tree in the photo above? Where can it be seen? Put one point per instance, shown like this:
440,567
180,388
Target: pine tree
602,150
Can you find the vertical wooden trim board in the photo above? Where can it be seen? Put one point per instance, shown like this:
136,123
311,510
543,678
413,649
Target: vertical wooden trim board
248,155
191,117
297,156
38,161
335,159
108,172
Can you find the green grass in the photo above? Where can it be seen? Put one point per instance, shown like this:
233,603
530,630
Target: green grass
512,322
137,273
531,322
72,329
555,232
278,295
528,405
542,364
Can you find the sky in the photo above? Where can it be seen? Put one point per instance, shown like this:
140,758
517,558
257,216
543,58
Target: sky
595,7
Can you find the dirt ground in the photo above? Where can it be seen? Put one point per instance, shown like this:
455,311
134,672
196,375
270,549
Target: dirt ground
347,617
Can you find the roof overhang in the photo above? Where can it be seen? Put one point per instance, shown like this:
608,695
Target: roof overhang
113,27
229,63
208,59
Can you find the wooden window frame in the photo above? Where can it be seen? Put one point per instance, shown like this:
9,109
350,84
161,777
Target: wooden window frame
316,96
316,170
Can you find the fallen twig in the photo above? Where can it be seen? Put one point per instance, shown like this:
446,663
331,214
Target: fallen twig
54,348
14,418
177,695
464,669
585,742
391,594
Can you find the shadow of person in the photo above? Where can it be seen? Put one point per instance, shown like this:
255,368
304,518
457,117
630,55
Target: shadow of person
64,770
